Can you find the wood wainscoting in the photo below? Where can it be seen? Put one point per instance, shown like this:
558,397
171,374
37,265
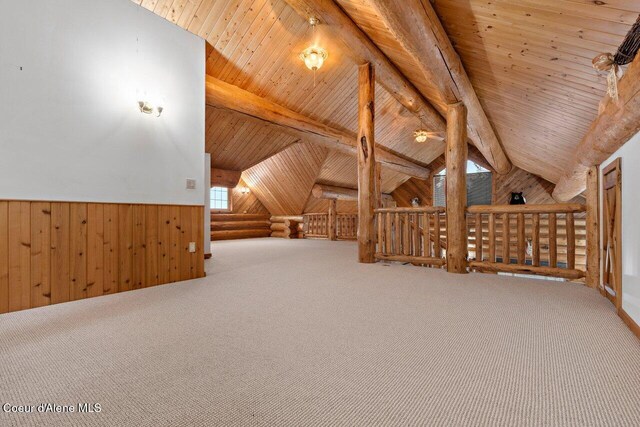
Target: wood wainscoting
53,252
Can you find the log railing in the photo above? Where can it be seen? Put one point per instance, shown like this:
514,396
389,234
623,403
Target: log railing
347,226
410,235
316,225
528,239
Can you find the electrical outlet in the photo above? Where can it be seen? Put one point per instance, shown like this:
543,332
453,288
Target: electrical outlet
192,247
191,184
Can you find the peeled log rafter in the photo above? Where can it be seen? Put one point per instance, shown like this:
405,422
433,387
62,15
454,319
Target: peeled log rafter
362,50
321,191
416,26
614,126
227,96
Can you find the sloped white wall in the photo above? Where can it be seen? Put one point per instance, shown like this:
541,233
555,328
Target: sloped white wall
71,73
630,154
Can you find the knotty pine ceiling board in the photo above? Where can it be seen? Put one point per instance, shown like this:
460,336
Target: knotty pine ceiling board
283,182
530,63
254,44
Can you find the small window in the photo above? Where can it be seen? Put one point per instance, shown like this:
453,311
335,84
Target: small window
478,186
220,200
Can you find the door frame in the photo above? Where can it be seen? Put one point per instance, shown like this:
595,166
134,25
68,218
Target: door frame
616,233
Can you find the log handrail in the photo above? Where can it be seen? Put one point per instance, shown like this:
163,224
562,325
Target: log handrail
429,209
530,209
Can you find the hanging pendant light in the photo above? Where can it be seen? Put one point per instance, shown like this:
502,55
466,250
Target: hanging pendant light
314,56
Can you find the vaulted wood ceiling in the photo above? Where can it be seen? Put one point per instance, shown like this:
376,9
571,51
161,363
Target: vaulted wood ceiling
528,60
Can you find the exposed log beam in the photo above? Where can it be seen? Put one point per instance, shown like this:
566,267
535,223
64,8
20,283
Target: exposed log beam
321,191
362,50
226,96
415,24
617,122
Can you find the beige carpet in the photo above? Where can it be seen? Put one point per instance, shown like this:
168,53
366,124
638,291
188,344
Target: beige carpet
296,333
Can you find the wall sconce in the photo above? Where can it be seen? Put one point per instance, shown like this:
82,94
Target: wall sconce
148,108
244,190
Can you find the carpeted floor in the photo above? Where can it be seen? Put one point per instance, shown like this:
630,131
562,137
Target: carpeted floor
297,333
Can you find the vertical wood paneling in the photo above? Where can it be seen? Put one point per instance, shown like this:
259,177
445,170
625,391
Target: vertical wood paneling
151,251
196,218
78,250
139,247
53,252
111,249
164,244
95,250
60,251
175,244
4,257
40,254
19,255
125,247
185,238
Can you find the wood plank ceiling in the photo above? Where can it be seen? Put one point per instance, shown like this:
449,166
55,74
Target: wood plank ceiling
529,62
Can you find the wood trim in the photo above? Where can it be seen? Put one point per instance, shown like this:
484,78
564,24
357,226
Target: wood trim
635,328
54,252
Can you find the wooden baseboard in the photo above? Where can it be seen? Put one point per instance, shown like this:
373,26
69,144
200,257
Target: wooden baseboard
635,328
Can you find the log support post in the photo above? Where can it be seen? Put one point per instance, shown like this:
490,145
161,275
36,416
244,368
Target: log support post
593,229
456,188
333,220
366,164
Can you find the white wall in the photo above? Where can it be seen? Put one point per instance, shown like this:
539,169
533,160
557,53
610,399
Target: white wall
71,73
630,154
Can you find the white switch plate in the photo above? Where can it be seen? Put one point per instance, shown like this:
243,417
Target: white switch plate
192,247
191,184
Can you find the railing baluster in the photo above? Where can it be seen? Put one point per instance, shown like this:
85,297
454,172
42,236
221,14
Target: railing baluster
492,237
397,235
521,246
506,228
425,233
535,241
417,236
479,237
388,222
436,230
406,242
553,240
380,222
571,242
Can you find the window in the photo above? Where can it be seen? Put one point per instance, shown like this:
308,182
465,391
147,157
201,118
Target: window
220,200
478,186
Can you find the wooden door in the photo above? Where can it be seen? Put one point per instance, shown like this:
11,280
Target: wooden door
612,225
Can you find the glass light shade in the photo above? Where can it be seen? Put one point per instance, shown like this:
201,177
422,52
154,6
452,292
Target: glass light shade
421,135
314,57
